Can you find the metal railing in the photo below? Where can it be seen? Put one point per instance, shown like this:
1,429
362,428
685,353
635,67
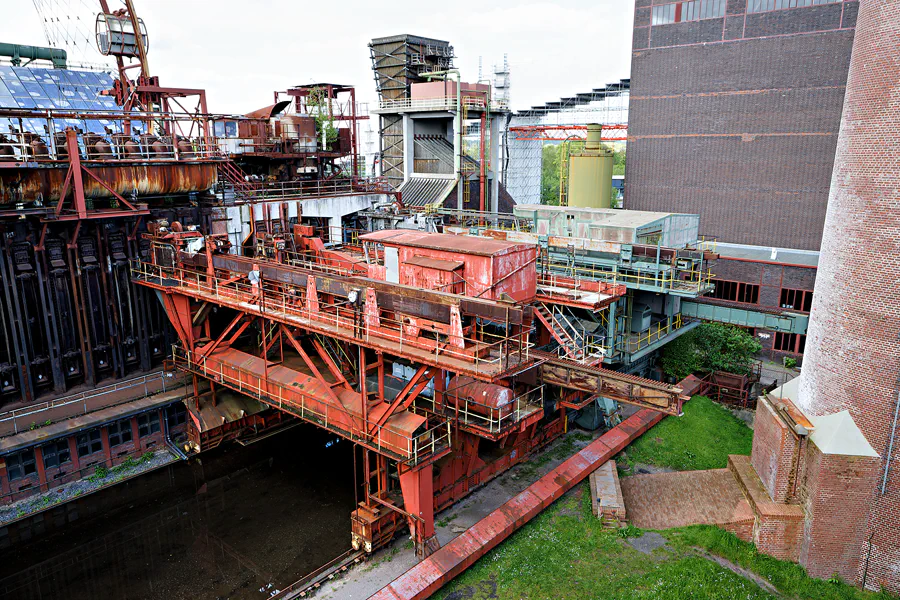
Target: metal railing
340,318
414,449
490,419
634,343
167,378
438,103
698,281
318,188
19,144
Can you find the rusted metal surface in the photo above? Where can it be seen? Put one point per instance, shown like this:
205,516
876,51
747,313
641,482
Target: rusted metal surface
431,574
439,241
479,396
17,185
428,304
490,269
616,386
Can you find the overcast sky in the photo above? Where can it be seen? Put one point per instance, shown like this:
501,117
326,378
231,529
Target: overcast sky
241,51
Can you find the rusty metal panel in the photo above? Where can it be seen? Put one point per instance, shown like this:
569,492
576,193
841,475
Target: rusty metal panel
175,178
613,385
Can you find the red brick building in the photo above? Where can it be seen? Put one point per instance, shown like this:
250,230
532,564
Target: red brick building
734,114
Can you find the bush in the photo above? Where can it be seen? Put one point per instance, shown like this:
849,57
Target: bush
707,348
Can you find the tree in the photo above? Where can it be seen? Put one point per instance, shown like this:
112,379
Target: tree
707,348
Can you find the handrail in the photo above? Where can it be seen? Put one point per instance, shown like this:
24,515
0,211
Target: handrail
491,418
265,300
418,447
651,335
83,397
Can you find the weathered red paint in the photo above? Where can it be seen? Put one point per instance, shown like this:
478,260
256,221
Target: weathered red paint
429,575
472,266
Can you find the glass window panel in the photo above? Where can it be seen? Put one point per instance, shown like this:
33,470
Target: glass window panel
25,102
24,75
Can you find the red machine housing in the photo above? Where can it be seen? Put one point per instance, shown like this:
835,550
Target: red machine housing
476,267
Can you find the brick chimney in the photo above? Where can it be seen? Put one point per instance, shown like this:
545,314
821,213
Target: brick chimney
852,360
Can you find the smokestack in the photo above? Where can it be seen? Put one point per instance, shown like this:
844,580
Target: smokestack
852,359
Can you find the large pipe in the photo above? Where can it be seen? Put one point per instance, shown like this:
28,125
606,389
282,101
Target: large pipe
18,52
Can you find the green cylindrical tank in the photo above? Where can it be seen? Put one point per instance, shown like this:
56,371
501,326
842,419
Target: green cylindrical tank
590,173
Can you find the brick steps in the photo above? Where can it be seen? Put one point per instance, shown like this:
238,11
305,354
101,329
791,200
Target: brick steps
778,527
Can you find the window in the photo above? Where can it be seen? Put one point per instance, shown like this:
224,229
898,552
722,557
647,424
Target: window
736,291
119,433
789,342
56,454
796,299
176,414
89,443
756,6
148,423
20,464
694,10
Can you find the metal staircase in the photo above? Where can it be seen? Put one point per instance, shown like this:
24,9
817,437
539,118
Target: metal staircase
230,173
571,341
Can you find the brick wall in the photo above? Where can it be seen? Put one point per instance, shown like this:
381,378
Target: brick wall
76,467
771,279
726,119
779,536
834,490
774,453
853,348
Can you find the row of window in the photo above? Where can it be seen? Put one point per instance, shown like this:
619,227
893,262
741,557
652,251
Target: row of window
56,453
789,342
695,10
756,6
748,293
736,291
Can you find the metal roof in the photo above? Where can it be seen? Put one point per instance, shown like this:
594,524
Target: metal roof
422,191
595,95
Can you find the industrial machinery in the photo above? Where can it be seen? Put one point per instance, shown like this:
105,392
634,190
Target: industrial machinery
417,347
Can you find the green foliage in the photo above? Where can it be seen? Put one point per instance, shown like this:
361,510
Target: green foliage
630,531
679,358
318,99
707,348
702,438
790,362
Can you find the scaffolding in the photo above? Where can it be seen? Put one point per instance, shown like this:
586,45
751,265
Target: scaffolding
523,155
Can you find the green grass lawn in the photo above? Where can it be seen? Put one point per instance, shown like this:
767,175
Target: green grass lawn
702,438
565,553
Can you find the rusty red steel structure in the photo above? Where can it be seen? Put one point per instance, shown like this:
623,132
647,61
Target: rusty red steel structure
429,575
455,312
561,133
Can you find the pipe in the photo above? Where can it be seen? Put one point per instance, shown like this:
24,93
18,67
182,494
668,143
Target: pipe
17,52
887,462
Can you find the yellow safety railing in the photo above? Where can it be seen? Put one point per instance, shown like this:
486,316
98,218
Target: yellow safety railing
698,280
636,342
